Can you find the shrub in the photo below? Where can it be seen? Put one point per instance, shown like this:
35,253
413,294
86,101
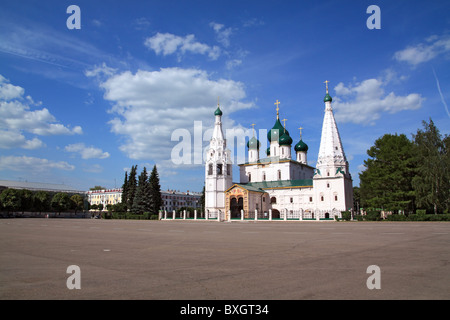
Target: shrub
346,215
397,217
373,216
421,211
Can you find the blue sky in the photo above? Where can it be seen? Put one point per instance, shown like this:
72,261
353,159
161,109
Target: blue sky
81,106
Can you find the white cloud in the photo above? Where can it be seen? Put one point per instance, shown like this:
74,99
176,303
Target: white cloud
87,152
223,34
16,116
149,106
100,70
424,52
167,44
364,102
14,139
9,91
230,64
32,164
141,23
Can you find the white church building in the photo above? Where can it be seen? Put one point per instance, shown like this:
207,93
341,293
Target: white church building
281,185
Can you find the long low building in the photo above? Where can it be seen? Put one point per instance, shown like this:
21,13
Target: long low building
171,199
38,186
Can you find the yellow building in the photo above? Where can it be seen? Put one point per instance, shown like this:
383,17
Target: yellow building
104,196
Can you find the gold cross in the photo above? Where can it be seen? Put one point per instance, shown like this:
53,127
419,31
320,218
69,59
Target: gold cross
301,133
284,121
253,127
326,83
218,103
277,103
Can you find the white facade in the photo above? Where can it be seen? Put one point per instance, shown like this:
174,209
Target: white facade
274,169
218,169
290,188
332,179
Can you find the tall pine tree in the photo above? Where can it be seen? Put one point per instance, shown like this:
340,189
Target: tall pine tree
132,185
125,190
155,192
141,202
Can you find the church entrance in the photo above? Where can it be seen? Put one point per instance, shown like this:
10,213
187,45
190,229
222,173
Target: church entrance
236,205
275,214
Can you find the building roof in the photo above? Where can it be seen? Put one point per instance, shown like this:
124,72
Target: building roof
279,184
38,186
246,186
270,160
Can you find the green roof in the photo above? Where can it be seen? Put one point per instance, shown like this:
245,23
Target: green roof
301,146
279,184
327,98
278,131
249,187
218,112
285,139
253,143
270,160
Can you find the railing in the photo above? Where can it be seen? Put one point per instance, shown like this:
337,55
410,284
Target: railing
284,215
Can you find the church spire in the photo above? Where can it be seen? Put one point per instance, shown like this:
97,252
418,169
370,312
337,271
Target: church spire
331,153
218,133
327,95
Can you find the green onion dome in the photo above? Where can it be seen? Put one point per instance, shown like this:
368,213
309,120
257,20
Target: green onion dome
301,146
276,135
285,139
327,98
218,112
253,143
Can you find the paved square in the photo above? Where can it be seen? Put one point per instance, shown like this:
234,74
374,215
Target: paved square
126,259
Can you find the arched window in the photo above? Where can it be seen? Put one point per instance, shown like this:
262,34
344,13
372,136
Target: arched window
264,176
273,200
249,177
210,169
279,174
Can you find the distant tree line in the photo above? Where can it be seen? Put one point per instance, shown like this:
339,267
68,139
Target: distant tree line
407,176
141,194
21,200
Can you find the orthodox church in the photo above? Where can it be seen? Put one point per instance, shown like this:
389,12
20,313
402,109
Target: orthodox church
281,185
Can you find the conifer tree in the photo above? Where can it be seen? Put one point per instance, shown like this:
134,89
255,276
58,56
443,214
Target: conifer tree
125,190
132,185
155,192
141,202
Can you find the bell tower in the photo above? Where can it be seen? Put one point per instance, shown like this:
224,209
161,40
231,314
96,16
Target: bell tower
332,180
218,170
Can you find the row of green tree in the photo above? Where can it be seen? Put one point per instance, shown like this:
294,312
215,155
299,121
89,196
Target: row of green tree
21,200
403,175
141,194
